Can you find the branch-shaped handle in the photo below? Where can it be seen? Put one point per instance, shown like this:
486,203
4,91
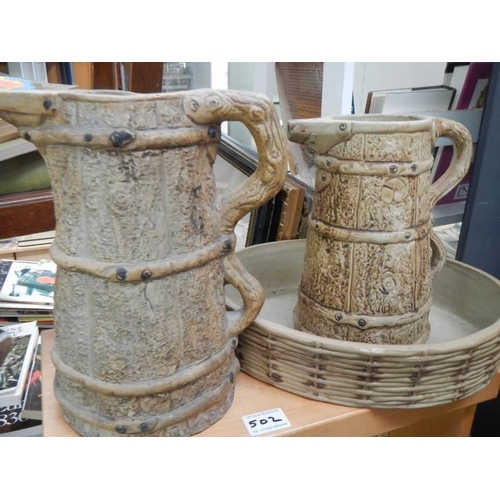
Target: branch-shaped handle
460,163
257,112
251,292
209,107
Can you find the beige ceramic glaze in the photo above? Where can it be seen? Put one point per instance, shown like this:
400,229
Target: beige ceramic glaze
461,356
144,345
371,252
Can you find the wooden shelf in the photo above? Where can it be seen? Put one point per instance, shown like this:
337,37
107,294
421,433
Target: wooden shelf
307,417
26,213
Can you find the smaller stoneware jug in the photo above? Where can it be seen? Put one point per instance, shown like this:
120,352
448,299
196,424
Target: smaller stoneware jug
371,253
144,345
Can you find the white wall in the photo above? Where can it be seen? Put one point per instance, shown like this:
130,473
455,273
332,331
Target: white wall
201,74
240,77
370,76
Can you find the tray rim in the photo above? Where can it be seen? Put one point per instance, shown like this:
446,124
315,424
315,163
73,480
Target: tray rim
377,350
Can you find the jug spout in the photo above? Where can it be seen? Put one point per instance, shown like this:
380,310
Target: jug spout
319,134
26,108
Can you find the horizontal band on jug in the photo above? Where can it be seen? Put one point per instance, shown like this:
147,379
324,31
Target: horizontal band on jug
363,321
178,379
365,236
150,424
144,271
123,139
376,168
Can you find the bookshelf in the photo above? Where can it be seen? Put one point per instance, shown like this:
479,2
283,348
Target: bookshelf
26,213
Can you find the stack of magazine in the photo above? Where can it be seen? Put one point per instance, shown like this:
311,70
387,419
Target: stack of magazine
27,292
26,308
20,380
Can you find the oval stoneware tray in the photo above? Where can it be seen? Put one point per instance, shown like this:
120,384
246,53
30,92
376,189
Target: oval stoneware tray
461,356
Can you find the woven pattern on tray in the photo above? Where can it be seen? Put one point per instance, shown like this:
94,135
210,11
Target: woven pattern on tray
335,372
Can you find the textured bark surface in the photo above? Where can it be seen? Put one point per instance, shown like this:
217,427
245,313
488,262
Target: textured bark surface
144,345
367,273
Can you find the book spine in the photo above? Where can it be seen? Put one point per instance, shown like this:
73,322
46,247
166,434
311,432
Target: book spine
477,71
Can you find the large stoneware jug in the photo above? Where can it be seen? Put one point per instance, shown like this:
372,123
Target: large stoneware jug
371,253
144,345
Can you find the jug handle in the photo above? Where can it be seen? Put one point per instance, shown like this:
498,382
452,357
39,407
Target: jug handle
256,112
460,163
251,292
459,166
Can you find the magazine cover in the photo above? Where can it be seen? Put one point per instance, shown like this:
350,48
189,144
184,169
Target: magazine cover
20,342
41,277
13,424
27,281
32,406
8,82
5,345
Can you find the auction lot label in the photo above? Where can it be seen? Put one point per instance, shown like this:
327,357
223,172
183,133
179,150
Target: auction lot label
265,421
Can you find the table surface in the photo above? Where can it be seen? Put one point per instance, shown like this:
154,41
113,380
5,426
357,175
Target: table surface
306,416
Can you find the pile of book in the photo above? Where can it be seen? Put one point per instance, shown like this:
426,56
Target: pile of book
20,380
27,292
26,308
